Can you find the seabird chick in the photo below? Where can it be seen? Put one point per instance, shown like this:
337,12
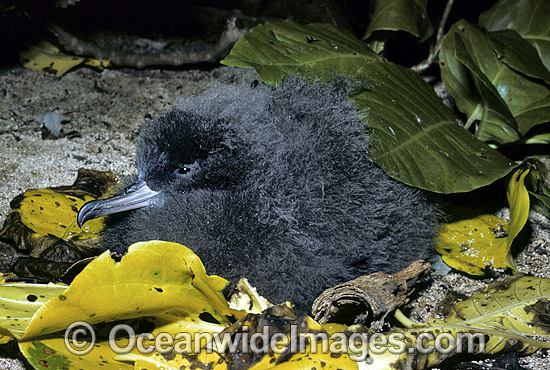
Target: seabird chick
275,185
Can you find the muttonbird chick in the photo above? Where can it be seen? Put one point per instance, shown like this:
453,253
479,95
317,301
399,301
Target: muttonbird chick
275,185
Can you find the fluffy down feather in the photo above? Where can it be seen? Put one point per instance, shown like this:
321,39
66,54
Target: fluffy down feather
275,185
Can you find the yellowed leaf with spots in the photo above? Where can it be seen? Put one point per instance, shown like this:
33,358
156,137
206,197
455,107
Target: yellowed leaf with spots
471,245
43,221
20,301
158,287
49,351
485,241
155,278
48,212
52,353
46,57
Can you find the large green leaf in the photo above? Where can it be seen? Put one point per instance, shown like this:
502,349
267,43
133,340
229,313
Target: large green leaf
473,91
519,54
315,50
401,15
492,79
528,95
415,139
530,18
418,142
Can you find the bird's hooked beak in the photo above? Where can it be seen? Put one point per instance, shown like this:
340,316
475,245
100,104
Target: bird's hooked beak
135,196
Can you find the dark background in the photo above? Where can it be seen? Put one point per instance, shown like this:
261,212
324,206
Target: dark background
24,22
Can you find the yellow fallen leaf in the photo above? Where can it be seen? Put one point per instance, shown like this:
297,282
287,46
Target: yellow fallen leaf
518,199
48,212
46,57
310,353
20,301
473,244
42,220
154,279
485,241
52,354
98,64
159,287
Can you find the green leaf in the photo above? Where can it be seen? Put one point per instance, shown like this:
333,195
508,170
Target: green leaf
473,91
487,76
527,99
414,137
401,15
376,45
315,50
519,54
536,183
418,142
529,18
543,138
541,204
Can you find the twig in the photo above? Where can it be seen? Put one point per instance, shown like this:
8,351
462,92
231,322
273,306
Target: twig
419,68
16,129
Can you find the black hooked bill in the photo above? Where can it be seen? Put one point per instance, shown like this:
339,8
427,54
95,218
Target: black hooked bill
135,196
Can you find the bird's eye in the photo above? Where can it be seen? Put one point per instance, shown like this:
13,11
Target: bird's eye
183,170
186,170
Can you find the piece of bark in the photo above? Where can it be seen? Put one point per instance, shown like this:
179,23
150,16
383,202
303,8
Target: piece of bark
369,298
65,3
208,53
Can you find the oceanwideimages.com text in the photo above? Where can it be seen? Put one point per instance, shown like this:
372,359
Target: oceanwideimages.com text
80,339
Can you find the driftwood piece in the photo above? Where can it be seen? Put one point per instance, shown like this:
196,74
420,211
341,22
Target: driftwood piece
369,298
180,56
65,3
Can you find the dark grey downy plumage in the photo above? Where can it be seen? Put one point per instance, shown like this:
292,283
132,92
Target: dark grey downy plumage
275,185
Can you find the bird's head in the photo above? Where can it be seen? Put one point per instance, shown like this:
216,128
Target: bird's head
177,152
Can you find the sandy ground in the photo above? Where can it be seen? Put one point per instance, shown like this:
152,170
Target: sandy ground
108,109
